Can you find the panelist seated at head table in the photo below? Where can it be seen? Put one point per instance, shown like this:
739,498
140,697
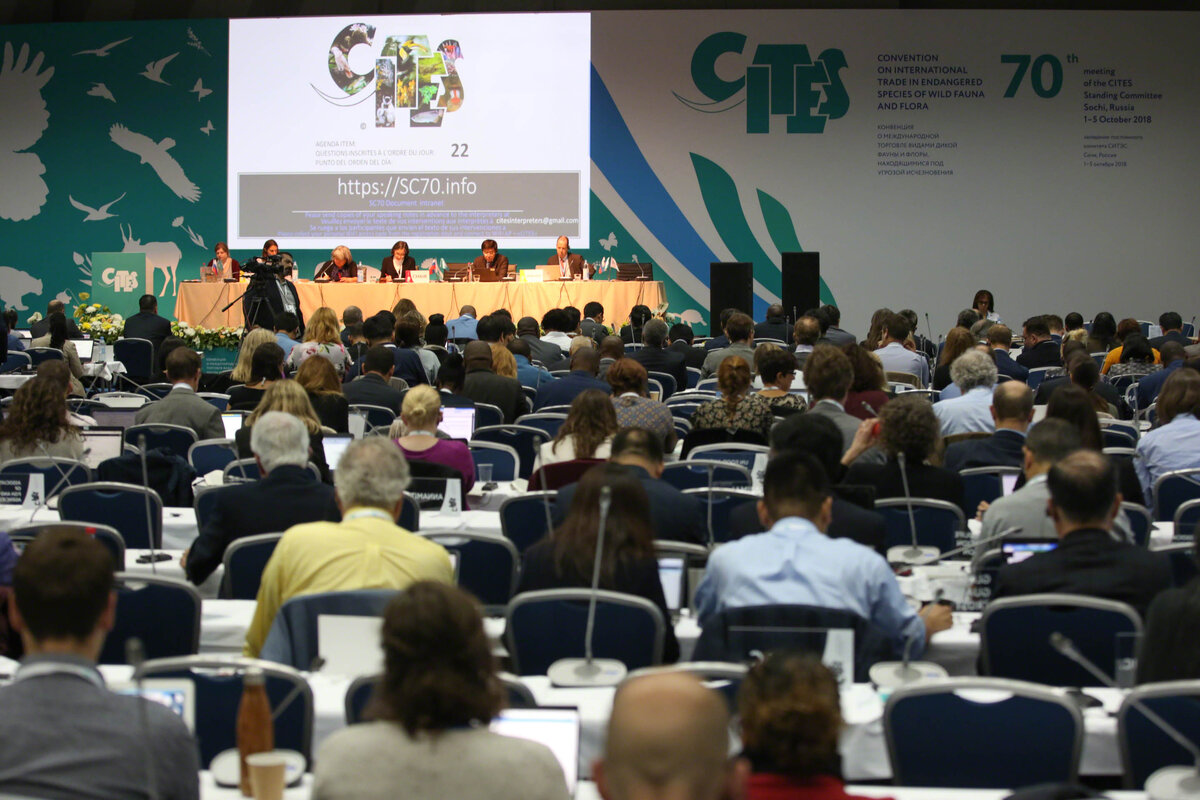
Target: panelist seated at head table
570,265
340,265
492,262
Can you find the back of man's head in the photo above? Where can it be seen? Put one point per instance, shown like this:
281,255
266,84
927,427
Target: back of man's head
807,331
376,329
55,307
775,312
477,355
351,315
833,314
1013,401
146,302
586,359
279,439
966,318
682,332
528,326
897,327
1170,321
520,347
828,373
910,317
1054,323
378,359
795,485
467,311
612,347
1073,321
810,433
1036,326
668,738
488,329
637,444
999,336
1052,440
371,473
1171,351
62,584
556,320
973,369
183,364
654,333
592,309
1083,487
286,322
739,327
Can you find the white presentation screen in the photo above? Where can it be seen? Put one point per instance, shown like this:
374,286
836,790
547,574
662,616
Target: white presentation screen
439,130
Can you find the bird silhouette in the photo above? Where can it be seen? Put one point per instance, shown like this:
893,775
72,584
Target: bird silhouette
26,117
155,154
200,91
101,52
207,129
154,69
100,90
95,214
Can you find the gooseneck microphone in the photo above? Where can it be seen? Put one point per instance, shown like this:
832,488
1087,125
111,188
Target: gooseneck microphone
914,551
155,556
893,674
1004,534
135,655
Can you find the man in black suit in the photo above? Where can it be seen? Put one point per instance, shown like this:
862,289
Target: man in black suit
721,340
818,435
681,342
1089,560
585,365
655,358
775,326
592,324
999,339
832,334
483,385
1083,372
570,265
1040,349
1012,409
406,364
674,515
288,494
147,324
373,389
1172,331
42,326
492,261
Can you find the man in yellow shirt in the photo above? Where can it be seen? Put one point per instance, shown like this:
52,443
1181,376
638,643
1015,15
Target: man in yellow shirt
366,550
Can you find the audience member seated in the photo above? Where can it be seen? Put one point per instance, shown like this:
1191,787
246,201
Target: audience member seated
1148,388
631,332
36,426
435,337
1175,443
1074,405
1169,648
1012,411
895,355
557,326
828,375
796,563
321,338
565,559
832,333
146,324
958,341
181,406
586,433
681,342
655,356
450,383
266,369
634,407
999,339
419,418
974,373
351,316
585,364
737,408
806,334
1039,350
777,368
290,398
592,325
504,363
668,738
791,719
1137,359
287,495
56,339
374,387
1125,327
1103,336
1089,559
240,374
483,385
868,390
1075,361
42,326
67,735
320,380
775,326
908,426
464,326
528,374
924,346
406,364
611,348
15,343
740,332
58,372
1048,442
407,336
674,515
1172,331
721,339
366,550
529,332
287,331
428,731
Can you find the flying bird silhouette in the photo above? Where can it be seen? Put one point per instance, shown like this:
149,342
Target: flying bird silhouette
101,52
155,154
154,69
207,129
95,214
26,118
200,91
100,90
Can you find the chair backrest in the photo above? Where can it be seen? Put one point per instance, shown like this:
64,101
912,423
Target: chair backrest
1039,374
737,634
1187,517
156,391
488,565
358,695
930,725
668,382
550,423
202,503
410,514
525,519
1145,747
57,473
556,476
524,440
1182,559
718,505
105,534
122,506
376,416
123,399
16,360
1015,637
137,355
217,399
292,639
1173,490
240,470
699,437
694,474
245,559
506,463
693,377
1140,521
1116,437
938,522
984,484
163,612
218,682
176,439
488,415
212,455
38,355
745,455
906,378
548,625
530,394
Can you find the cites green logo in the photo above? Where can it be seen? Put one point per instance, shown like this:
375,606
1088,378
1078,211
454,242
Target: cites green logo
782,80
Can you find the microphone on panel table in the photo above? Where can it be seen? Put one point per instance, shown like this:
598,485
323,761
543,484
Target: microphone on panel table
1167,783
589,671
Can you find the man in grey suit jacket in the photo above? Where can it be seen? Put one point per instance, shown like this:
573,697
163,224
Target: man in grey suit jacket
828,374
181,406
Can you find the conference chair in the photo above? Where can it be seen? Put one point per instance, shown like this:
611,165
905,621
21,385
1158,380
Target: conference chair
905,379
700,437
138,357
708,384
134,511
212,455
530,394
16,360
38,355
550,423
376,416
1187,517
1114,436
984,484
104,534
488,415
1145,747
700,473
164,613
682,427
1039,374
1033,734
488,565
938,522
358,695
563,473
718,505
505,462
410,514
545,626
293,639
175,439
156,391
217,399
122,399
431,482
78,405
527,518
693,377
1173,490
1182,558
218,693
1141,522
1015,637
667,381
745,454
245,559
523,439
243,470
57,473
720,676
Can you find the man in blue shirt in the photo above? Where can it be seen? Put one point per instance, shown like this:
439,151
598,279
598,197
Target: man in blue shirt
464,326
585,364
794,562
898,358
974,373
1172,355
287,329
527,373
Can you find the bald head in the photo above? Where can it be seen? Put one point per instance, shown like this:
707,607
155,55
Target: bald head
1012,405
668,739
477,355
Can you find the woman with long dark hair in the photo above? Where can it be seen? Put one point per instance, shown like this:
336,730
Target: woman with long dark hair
587,432
36,425
56,339
1103,336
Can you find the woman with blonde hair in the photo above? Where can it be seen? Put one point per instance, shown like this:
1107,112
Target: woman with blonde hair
290,398
320,381
251,342
504,363
586,433
737,408
340,265
416,435
321,338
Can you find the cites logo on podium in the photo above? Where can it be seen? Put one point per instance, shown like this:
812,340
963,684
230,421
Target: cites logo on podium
782,80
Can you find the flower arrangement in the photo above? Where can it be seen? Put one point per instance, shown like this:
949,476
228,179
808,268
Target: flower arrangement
200,338
98,321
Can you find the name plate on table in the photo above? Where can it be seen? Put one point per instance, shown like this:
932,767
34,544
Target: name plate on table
532,275
418,276
22,490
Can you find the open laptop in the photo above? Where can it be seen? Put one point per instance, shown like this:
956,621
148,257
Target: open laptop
672,572
1017,550
456,272
177,694
556,728
335,444
102,443
232,420
113,417
84,348
457,423
22,333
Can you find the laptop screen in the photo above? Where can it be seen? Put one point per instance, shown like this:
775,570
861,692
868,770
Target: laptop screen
335,445
556,728
177,694
671,573
101,444
84,348
232,420
22,333
113,417
1008,482
457,423
1016,551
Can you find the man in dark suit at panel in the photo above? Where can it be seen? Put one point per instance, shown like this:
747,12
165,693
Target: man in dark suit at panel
288,494
1040,349
570,265
483,385
1089,560
585,365
147,324
373,389
656,358
491,261
1012,410
681,342
42,326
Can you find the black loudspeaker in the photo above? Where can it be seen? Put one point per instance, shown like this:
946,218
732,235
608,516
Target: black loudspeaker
731,285
801,289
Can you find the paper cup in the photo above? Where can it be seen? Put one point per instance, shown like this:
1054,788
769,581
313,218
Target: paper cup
268,775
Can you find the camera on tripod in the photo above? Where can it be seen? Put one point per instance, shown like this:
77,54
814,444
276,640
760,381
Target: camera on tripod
268,266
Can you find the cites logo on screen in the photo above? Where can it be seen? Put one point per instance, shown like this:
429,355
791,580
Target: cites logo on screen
405,74
782,80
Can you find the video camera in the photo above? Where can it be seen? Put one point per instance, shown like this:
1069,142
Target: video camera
276,266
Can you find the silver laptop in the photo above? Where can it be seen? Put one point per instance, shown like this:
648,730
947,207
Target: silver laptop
102,443
113,417
84,348
335,445
457,423
177,694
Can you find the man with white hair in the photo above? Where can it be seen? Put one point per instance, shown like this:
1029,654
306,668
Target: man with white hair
974,373
288,494
366,550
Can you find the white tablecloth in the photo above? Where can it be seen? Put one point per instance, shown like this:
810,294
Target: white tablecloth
179,524
171,569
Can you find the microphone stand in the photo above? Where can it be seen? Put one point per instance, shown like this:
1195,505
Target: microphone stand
1004,534
892,674
909,554
135,654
